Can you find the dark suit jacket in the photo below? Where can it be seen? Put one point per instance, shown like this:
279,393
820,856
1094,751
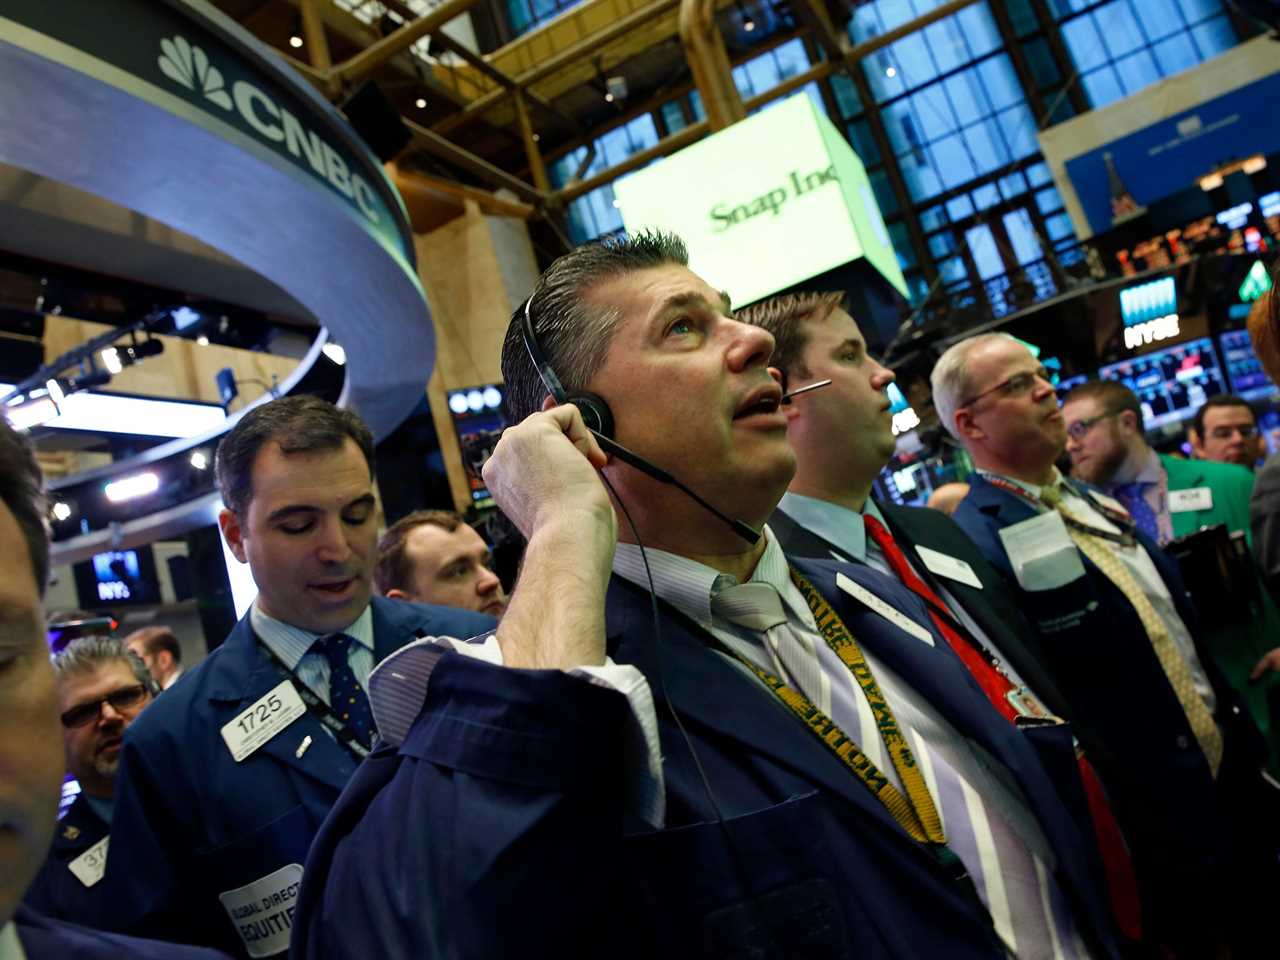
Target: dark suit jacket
46,939
190,823
497,829
993,607
56,892
1089,639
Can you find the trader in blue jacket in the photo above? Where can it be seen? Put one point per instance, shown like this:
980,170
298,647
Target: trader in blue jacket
226,778
31,754
820,775
1116,631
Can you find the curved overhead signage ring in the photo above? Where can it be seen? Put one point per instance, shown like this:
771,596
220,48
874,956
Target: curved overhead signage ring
188,120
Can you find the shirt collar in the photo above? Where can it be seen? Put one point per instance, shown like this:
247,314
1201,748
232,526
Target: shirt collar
291,643
1033,491
689,585
1151,471
834,523
10,945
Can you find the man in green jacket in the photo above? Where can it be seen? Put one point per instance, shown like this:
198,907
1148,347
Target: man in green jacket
1168,497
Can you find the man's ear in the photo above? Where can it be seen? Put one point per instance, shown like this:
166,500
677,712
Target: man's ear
967,427
1197,443
548,402
234,534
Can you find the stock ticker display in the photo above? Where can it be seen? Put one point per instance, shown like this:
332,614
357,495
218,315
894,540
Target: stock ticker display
1171,383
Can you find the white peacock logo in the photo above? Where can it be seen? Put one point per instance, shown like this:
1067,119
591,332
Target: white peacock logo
189,65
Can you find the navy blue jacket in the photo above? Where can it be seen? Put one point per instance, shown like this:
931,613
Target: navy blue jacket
56,892
46,939
191,823
1091,641
498,828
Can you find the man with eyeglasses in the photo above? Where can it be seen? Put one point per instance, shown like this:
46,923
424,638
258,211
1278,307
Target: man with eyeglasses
102,687
1225,429
1114,628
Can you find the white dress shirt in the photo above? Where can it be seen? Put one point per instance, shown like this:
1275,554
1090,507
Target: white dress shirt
293,646
10,945
1140,565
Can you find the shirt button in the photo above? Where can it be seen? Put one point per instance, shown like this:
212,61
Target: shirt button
1183,742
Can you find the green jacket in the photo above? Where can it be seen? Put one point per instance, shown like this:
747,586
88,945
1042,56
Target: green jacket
1230,485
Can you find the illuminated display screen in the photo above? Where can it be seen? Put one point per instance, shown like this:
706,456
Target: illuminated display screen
1148,301
771,201
1171,383
117,578
479,421
1244,372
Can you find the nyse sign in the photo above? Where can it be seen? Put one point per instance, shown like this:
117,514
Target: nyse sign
1150,331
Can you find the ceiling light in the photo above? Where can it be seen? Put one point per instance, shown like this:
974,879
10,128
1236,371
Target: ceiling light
32,413
335,353
295,41
748,24
130,488
890,72
608,98
202,340
420,103
61,511
536,138
111,360
56,393
147,348
199,460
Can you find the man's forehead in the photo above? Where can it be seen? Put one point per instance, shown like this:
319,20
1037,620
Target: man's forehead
1080,408
106,674
323,478
652,289
1228,414
430,539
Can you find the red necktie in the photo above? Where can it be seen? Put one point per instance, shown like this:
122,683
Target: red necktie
1121,880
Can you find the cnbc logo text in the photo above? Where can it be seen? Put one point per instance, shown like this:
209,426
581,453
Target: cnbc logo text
188,66
726,215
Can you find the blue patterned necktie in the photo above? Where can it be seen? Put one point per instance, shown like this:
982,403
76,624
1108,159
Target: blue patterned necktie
1131,495
347,698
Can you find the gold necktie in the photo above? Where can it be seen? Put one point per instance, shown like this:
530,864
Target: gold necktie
1171,659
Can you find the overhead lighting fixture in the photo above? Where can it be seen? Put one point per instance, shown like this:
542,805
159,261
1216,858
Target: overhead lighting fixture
420,103
62,511
335,353
295,41
56,392
748,24
111,360
202,340
608,97
89,380
536,138
140,351
1247,165
199,460
31,413
130,488
890,72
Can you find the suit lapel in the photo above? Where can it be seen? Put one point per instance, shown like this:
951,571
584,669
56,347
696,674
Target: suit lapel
245,675
799,541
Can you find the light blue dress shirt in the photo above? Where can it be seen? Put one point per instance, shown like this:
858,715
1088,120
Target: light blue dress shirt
293,646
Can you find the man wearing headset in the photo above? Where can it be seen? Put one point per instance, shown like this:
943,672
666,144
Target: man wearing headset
519,809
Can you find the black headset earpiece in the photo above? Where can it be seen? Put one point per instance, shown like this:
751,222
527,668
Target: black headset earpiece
595,413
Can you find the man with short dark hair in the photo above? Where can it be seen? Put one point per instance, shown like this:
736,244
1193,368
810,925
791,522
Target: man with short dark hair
31,756
777,804
1225,429
1115,630
102,688
434,556
226,778
160,651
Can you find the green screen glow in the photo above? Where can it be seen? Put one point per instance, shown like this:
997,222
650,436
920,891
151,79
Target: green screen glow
771,201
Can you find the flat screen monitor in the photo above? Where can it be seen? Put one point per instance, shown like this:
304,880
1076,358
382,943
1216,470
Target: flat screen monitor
1171,383
479,421
117,578
1244,372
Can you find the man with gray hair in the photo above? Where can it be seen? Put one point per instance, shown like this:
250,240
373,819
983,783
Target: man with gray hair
102,688
1114,628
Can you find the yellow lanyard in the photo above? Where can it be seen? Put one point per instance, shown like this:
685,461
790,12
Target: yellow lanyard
915,812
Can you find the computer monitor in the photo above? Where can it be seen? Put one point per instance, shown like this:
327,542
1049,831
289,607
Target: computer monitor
1244,373
1171,383
478,419
117,578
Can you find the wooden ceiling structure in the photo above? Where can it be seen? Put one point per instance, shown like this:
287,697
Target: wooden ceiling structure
483,127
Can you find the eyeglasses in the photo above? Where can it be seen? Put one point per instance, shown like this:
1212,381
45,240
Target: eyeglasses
1226,433
121,700
1079,428
1019,383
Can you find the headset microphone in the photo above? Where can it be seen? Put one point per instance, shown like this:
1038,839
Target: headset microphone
599,420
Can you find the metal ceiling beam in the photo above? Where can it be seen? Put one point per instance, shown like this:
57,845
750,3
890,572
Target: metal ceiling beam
378,53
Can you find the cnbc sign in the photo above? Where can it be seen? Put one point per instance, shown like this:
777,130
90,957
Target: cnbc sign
766,203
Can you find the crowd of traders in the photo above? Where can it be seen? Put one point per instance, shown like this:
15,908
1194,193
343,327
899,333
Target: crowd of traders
801,722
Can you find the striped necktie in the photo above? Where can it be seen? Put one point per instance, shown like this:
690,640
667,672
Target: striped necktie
1171,659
